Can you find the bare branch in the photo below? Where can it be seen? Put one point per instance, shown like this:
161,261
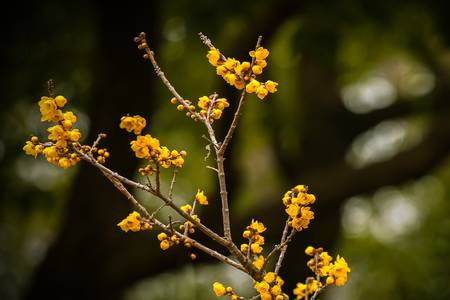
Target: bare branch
172,183
168,228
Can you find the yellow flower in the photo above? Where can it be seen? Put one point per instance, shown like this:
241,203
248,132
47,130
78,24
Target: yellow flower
221,103
252,86
242,68
231,78
178,162
56,133
256,248
262,287
49,110
32,149
143,145
257,70
201,198
203,102
219,289
74,135
310,250
231,63
186,208
271,86
259,262
162,236
269,277
339,270
135,123
50,152
131,222
266,296
300,290
261,92
261,62
257,226
244,248
60,101
164,245
221,70
213,56
275,290
260,53
64,162
216,114
293,210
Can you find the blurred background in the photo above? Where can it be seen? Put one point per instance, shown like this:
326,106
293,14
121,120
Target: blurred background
362,116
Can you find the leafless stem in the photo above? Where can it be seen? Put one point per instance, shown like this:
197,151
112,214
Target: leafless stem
97,140
205,40
151,56
283,250
212,168
281,244
158,180
318,291
157,210
172,183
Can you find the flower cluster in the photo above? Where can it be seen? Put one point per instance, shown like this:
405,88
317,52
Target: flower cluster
134,123
323,266
58,150
297,201
270,287
166,242
148,147
243,75
255,242
220,290
188,226
211,107
134,222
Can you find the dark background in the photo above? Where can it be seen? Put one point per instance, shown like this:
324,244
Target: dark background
362,116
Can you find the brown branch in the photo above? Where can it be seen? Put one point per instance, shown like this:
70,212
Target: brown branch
153,220
283,251
143,187
172,183
282,242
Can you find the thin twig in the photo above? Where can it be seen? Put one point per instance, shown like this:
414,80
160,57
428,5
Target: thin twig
283,251
99,137
318,291
205,40
172,183
157,210
281,244
162,76
212,168
158,180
